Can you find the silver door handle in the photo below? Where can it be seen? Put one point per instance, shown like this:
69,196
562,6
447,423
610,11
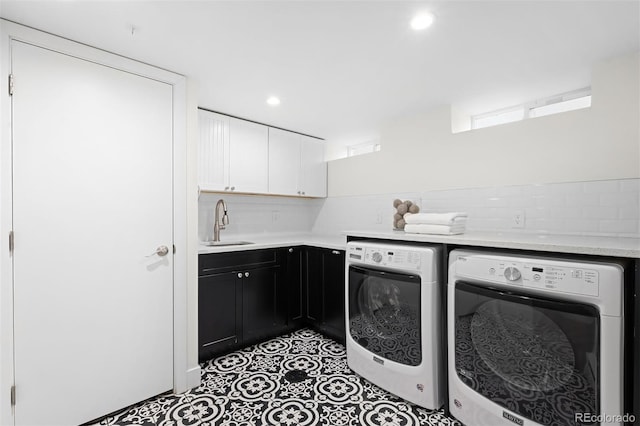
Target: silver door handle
246,274
239,274
160,251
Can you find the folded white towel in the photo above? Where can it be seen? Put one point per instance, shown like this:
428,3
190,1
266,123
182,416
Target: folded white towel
421,228
436,218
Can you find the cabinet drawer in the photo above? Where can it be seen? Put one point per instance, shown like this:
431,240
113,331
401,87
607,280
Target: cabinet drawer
219,262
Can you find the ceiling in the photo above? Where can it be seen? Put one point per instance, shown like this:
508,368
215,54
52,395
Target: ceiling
343,68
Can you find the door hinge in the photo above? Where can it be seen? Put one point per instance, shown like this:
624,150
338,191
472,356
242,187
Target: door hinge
11,242
13,395
10,84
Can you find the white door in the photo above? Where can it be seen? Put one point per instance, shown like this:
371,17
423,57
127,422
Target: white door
213,151
249,157
284,162
92,181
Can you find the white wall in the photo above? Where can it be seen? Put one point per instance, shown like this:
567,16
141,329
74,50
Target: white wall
420,153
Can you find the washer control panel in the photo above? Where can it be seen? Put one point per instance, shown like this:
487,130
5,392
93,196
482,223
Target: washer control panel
545,275
387,257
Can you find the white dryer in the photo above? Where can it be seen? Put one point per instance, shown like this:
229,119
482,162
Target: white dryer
534,340
393,319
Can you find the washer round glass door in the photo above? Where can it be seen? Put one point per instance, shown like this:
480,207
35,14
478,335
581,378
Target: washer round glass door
533,356
384,314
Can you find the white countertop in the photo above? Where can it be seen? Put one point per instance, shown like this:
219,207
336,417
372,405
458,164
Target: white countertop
262,241
598,246
573,244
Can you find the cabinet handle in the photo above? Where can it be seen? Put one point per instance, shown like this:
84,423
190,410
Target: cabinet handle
233,188
246,274
290,250
335,252
239,274
226,188
304,193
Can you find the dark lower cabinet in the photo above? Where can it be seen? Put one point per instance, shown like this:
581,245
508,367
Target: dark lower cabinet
249,296
324,291
242,299
219,313
264,298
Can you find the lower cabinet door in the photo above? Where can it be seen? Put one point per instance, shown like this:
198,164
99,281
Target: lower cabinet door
334,310
313,292
263,307
293,288
219,313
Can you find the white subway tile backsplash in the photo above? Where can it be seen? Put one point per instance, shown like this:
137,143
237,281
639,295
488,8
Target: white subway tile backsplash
517,201
619,198
629,212
602,187
582,199
603,208
600,212
566,188
630,185
578,225
618,226
583,208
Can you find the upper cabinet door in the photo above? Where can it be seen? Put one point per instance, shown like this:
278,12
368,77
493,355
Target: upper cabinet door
213,151
249,157
284,162
313,179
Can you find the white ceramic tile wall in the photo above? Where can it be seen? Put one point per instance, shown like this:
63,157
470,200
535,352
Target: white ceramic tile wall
598,208
255,214
602,208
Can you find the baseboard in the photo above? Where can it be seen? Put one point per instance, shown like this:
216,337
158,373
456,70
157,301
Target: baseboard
193,377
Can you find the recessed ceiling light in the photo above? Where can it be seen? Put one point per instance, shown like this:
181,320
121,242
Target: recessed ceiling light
422,21
273,101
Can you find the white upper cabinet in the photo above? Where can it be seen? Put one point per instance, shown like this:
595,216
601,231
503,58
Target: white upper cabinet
249,157
213,151
284,162
296,165
313,168
232,154
242,156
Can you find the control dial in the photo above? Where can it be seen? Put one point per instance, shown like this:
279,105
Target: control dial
376,257
512,274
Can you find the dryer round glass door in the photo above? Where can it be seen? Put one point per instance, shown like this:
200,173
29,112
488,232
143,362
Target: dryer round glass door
536,357
384,314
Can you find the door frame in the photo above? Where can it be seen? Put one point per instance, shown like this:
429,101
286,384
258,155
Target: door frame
11,31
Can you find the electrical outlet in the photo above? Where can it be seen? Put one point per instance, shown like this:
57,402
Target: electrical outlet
517,219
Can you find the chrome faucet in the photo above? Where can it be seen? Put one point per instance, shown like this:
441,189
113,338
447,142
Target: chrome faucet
220,223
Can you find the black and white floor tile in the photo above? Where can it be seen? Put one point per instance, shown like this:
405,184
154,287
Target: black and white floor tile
298,379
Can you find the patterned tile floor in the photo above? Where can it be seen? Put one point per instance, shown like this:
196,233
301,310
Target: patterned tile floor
251,387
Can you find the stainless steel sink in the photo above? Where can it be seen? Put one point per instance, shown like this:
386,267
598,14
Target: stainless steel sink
226,243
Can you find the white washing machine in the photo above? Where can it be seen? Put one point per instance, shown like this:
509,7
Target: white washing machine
534,340
393,319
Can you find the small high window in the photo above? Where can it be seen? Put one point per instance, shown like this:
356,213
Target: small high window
363,148
569,101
